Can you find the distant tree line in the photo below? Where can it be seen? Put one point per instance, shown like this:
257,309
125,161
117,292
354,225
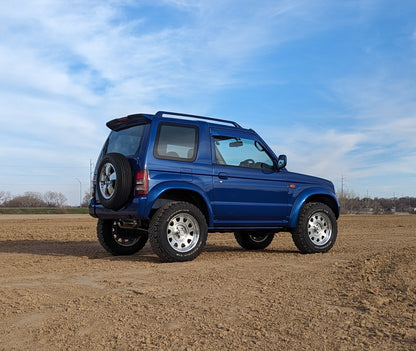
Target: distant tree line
33,199
350,203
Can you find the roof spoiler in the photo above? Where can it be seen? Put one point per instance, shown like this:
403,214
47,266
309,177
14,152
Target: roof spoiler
128,121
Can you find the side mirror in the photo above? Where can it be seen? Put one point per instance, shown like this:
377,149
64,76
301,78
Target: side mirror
281,162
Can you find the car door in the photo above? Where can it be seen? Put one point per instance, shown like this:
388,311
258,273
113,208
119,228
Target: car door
248,191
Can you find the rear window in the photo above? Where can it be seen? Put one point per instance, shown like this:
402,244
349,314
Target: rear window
176,142
126,141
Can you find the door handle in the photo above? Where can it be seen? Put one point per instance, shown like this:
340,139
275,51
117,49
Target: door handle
223,175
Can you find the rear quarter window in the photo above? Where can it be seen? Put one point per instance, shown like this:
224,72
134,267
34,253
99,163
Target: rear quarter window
176,142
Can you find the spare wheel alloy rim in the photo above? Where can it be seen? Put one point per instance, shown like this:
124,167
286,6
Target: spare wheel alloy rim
319,228
107,180
183,232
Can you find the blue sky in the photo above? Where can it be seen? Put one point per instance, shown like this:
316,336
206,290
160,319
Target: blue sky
331,84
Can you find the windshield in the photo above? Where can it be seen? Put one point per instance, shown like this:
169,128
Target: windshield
126,141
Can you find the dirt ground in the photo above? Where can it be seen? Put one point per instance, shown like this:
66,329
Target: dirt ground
59,290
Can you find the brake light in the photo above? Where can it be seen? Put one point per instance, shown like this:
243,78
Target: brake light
142,182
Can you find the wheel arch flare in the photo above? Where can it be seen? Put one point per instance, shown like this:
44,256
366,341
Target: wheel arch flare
313,195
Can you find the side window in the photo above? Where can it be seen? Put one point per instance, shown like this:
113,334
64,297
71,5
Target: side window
176,142
241,152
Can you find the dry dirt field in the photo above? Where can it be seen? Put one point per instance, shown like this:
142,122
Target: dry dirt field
59,290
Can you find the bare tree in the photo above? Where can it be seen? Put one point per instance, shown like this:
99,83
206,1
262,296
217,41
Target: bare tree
4,197
54,199
87,197
28,199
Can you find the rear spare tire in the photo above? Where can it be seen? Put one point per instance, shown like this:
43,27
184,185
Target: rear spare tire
114,181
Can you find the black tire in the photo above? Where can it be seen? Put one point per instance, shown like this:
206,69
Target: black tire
114,181
254,241
178,232
120,241
316,230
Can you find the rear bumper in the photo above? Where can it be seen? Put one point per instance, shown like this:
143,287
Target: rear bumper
134,210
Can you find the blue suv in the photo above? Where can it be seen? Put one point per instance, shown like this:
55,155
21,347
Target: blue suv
171,178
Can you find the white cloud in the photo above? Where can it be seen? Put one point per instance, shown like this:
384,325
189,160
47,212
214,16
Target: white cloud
68,67
95,56
376,149
89,49
315,151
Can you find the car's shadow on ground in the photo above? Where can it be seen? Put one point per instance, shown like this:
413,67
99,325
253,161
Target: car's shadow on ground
92,250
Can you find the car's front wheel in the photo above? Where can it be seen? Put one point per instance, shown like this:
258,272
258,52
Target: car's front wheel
316,230
178,232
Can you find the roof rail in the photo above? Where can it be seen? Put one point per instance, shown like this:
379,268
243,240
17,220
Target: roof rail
161,113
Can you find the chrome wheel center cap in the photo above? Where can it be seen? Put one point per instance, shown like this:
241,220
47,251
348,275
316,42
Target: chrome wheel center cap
317,228
180,231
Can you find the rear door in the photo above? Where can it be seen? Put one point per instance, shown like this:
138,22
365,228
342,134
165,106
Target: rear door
248,191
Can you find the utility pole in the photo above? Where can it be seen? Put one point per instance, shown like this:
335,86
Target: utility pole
80,192
91,175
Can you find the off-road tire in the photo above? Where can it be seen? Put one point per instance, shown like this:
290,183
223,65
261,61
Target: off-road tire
254,241
114,181
120,241
178,232
316,230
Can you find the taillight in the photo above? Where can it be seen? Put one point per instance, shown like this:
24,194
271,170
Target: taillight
142,182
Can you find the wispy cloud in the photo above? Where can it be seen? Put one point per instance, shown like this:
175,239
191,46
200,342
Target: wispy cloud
67,67
373,147
92,50
91,55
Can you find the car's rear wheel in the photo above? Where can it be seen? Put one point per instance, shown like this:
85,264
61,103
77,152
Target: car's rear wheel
178,232
254,241
316,230
120,241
